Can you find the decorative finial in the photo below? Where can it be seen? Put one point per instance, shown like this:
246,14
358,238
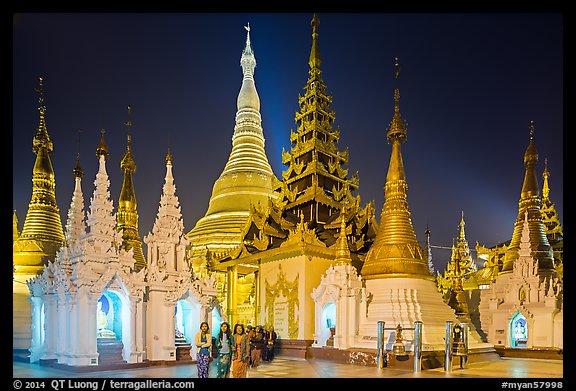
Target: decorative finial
315,23
397,67
531,130
314,61
41,138
247,27
40,91
128,123
77,171
102,147
168,157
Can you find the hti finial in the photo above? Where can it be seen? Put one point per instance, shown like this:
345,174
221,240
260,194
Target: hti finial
315,22
397,67
40,90
77,171
531,130
128,123
102,147
78,144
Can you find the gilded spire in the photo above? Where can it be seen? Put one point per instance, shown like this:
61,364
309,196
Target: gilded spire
462,224
342,248
549,213
127,216
15,232
530,186
41,139
43,222
314,60
248,97
395,252
530,201
545,185
247,177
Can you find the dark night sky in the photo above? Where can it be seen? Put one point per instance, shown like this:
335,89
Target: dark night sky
470,85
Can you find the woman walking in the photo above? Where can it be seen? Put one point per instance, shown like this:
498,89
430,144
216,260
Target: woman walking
256,346
240,352
225,345
203,349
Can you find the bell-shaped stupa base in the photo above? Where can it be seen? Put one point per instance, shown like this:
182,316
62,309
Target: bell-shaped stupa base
404,301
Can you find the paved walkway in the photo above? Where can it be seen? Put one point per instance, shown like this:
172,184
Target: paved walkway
283,367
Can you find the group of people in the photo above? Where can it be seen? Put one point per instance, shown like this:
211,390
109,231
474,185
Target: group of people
233,351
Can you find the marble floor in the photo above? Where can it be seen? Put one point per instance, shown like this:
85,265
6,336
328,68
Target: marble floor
284,367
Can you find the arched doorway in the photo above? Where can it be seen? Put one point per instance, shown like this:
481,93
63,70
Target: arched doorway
110,318
186,320
327,325
518,331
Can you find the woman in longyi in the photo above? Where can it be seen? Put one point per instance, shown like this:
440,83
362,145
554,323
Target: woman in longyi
241,352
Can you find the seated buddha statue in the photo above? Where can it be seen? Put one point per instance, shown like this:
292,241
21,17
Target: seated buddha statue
102,323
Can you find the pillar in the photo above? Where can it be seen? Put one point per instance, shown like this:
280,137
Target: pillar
232,278
36,345
257,301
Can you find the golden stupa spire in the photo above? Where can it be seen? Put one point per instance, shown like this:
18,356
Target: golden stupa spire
530,201
314,60
43,221
127,216
395,251
247,177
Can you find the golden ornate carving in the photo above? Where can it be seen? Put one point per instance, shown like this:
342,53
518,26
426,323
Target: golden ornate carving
290,291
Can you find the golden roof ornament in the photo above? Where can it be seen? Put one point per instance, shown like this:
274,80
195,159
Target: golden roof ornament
169,157
102,148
